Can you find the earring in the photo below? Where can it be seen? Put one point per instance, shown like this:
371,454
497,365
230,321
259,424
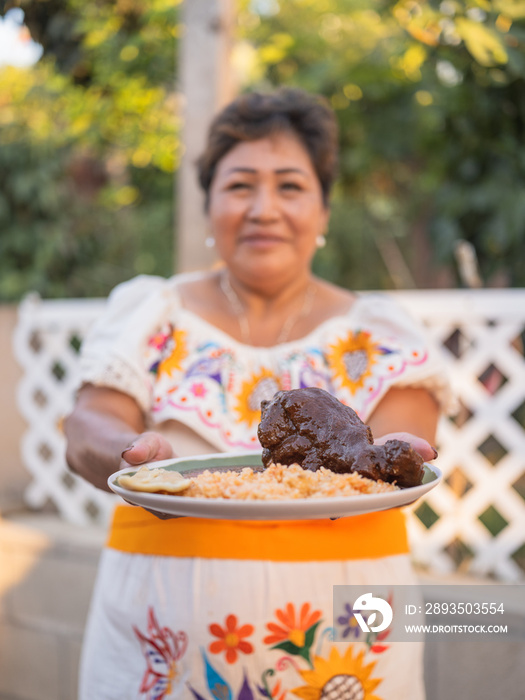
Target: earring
320,241
209,242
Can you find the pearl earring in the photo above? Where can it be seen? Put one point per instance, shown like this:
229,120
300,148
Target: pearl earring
209,242
320,241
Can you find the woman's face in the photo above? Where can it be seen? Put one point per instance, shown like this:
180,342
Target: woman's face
266,210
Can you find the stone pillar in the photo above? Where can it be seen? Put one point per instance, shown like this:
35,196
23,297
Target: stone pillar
206,83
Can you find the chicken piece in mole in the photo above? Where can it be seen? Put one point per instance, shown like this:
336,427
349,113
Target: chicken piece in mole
312,428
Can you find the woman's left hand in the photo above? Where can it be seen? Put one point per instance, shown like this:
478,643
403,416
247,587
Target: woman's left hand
420,445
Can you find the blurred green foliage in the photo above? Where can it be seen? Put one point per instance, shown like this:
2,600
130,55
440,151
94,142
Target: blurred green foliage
88,147
430,97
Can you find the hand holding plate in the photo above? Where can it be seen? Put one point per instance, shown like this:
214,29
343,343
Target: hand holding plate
420,445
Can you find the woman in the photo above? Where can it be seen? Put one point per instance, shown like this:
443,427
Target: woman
192,608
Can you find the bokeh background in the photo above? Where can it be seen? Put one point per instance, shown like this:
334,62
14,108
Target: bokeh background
430,97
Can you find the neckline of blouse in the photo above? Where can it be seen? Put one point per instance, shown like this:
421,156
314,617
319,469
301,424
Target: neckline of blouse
271,348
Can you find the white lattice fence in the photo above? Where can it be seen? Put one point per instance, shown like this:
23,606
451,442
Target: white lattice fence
474,521
46,343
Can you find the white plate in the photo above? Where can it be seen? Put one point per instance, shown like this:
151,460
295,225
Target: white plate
294,509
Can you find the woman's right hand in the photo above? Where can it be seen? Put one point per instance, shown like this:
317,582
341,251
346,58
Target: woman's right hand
146,447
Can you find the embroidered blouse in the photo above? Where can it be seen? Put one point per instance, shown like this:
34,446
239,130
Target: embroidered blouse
177,366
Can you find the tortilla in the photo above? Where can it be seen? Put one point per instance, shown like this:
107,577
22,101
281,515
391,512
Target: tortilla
154,481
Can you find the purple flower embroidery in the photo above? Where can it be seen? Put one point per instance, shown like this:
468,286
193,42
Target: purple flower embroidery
348,621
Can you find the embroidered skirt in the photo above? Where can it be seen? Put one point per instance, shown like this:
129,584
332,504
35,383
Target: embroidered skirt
220,610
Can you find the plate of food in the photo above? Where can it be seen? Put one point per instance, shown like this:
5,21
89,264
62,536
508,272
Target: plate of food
319,460
235,486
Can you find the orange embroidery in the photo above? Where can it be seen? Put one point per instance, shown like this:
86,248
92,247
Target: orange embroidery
231,639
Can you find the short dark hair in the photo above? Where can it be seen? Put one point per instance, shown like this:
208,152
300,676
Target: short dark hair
256,115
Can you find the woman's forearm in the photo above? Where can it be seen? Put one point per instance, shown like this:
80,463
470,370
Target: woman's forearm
103,423
106,432
95,443
410,410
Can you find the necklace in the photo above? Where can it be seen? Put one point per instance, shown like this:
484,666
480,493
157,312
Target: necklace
240,311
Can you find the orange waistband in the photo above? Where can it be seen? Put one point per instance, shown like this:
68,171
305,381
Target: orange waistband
370,536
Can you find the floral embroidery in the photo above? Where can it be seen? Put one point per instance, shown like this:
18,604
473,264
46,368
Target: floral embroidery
219,687
339,678
275,693
373,640
348,621
216,389
295,634
174,352
254,390
231,639
198,389
312,371
333,676
160,339
162,649
352,358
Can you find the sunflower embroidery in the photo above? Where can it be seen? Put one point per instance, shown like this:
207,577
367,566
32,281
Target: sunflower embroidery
351,359
231,639
339,678
174,352
254,390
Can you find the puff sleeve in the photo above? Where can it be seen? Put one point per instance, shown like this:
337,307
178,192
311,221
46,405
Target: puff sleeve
113,350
